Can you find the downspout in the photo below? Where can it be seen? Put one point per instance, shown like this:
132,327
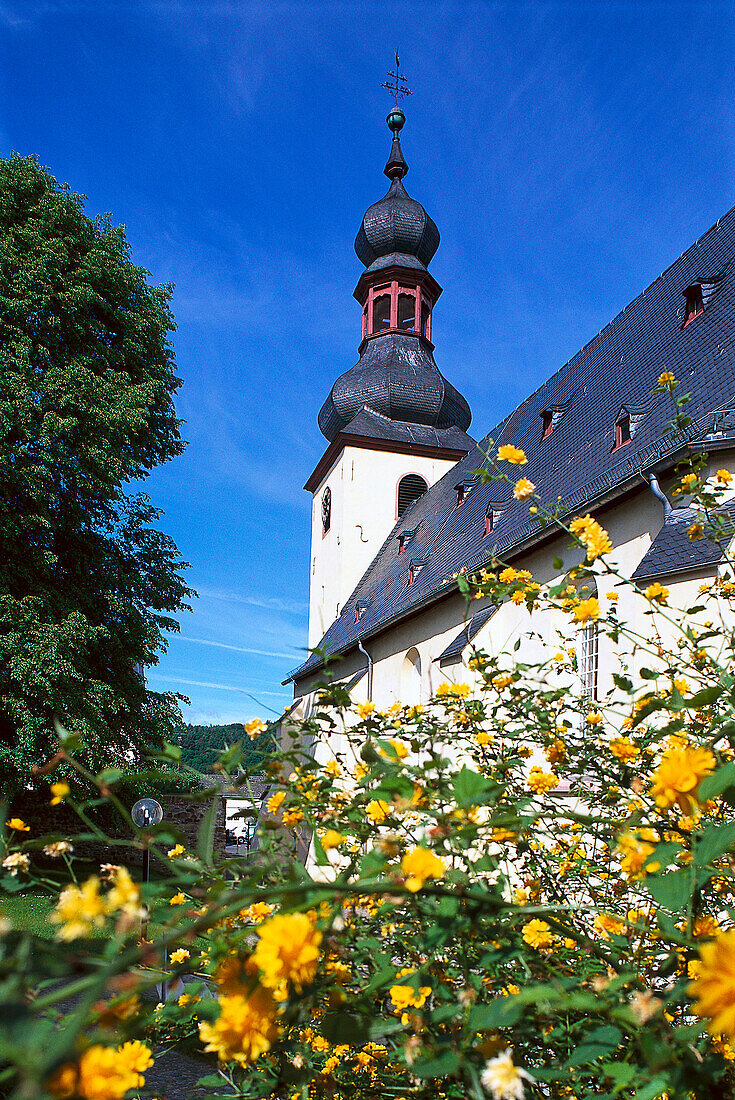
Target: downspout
655,488
362,649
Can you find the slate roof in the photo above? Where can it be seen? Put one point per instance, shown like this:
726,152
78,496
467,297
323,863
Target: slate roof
372,425
672,551
453,653
617,369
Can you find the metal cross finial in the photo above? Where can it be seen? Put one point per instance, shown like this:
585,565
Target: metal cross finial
399,87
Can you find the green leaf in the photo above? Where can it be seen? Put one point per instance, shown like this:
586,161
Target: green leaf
558,564
205,839
502,1012
600,1042
714,842
345,1027
705,697
718,782
441,1066
469,787
672,890
211,1079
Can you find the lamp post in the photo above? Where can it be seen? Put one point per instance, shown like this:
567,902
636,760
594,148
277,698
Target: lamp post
145,813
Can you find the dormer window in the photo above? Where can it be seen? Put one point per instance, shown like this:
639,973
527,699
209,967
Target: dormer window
326,510
622,431
694,303
547,420
493,515
360,610
410,488
463,490
414,570
404,538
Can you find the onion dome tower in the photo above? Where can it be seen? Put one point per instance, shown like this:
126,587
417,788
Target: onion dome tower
396,375
394,424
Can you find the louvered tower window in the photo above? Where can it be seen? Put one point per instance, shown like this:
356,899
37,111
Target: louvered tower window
410,488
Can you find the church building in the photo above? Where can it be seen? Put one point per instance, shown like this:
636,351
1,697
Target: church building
398,508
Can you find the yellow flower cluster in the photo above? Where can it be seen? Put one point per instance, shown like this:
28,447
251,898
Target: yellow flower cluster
624,749
714,989
81,909
523,489
633,851
255,728
540,781
288,950
538,934
594,538
245,1028
418,865
587,610
676,780
656,593
405,996
102,1073
509,453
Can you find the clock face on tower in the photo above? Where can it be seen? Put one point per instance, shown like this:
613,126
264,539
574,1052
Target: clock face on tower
326,509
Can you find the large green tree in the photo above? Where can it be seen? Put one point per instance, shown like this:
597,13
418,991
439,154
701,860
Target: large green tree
87,380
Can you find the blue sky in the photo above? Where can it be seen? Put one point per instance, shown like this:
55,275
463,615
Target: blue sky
568,152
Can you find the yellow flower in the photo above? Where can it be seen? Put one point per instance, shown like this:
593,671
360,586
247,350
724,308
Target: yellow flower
377,810
503,680
124,894
103,1073
404,996
594,537
245,1028
508,574
656,593
607,925
79,910
537,933
332,769
541,781
688,479
275,802
288,950
419,864
724,477
483,738
666,379
696,531
256,912
593,718
502,1079
633,851
255,728
178,899
676,779
587,609
509,453
179,956
612,597
19,825
15,862
399,750
624,749
714,989
365,709
292,817
523,489
177,850
59,791
57,848
331,839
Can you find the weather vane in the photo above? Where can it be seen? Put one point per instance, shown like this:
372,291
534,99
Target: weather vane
399,87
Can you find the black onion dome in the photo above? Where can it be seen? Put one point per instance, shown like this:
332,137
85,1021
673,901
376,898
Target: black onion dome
397,377
396,229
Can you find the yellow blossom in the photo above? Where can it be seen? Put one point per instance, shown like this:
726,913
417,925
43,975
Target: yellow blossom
79,910
256,912
292,817
103,1073
594,537
178,899
607,925
676,779
696,531
666,379
509,453
125,894
377,810
288,950
508,574
633,851
59,791
18,825
688,479
405,996
724,477
16,862
537,933
255,728
612,597
331,839
179,956
245,1028
523,489
587,609
714,989
398,750
365,709
624,749
275,802
332,769
418,864
541,781
656,593
483,738
176,851
503,680
594,718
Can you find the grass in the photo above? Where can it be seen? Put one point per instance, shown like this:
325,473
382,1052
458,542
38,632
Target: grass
28,912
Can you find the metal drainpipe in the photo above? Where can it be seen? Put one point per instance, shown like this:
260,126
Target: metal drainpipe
655,488
362,649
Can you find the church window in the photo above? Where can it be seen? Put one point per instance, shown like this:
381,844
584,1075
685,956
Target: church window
410,488
588,661
425,320
410,683
622,431
406,311
326,510
381,313
694,303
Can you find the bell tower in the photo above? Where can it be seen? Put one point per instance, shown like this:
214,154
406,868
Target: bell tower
394,424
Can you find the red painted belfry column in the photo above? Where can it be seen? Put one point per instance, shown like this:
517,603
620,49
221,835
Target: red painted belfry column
394,304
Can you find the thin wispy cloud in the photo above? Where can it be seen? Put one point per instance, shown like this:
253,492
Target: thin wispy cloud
237,648
269,603
212,684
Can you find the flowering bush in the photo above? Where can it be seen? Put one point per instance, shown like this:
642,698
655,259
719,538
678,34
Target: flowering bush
514,890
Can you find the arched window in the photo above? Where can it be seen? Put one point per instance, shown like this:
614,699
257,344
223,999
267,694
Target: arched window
410,686
381,313
326,510
410,488
406,311
588,648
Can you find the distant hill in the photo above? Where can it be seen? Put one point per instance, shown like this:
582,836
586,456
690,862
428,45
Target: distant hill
201,745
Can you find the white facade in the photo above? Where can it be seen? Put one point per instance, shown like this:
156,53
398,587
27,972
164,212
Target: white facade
363,485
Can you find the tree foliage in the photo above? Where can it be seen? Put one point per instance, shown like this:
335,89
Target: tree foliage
202,745
87,380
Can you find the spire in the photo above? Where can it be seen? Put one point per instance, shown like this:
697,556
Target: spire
396,167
